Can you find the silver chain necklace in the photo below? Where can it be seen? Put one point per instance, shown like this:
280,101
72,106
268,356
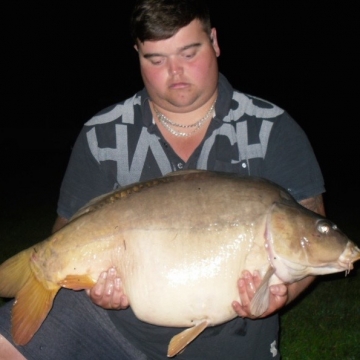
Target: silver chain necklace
167,123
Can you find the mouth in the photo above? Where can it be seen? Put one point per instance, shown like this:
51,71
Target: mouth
179,86
348,257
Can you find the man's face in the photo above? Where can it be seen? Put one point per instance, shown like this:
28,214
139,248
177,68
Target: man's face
181,73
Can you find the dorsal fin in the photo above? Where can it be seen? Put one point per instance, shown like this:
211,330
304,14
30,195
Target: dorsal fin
115,195
125,191
186,172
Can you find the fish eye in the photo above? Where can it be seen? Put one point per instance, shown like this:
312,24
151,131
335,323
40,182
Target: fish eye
324,227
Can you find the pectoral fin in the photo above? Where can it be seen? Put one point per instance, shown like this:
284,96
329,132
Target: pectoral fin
260,301
179,341
77,282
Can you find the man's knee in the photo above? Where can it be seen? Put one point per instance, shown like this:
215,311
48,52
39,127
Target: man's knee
8,351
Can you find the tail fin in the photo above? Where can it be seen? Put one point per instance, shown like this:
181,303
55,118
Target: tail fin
33,298
14,274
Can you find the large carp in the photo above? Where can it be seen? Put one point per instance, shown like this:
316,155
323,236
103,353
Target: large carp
179,244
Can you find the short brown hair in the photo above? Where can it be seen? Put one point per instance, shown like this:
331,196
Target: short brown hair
161,19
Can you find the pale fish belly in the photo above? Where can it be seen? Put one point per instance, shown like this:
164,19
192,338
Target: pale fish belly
177,278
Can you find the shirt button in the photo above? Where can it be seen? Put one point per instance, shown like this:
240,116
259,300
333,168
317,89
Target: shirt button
180,165
244,165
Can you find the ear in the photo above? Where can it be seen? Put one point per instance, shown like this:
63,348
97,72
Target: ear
136,48
214,42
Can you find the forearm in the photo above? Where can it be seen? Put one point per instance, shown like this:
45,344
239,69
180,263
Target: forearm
296,288
59,223
315,204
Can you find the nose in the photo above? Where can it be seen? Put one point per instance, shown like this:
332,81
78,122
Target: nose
175,66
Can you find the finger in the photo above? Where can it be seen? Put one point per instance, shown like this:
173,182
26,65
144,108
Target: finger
249,284
124,302
102,292
279,290
96,292
117,294
119,300
243,292
110,283
107,300
113,296
256,279
278,298
242,306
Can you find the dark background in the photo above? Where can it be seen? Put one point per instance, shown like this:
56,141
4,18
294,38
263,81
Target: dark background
64,61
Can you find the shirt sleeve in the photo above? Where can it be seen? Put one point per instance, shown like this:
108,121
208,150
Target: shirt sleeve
290,160
84,179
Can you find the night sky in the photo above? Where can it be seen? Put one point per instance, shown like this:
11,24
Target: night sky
64,61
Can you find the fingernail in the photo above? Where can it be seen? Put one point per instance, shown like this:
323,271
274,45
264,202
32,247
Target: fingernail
103,275
112,271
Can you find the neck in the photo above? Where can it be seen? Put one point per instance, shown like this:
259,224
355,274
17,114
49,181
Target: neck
185,133
183,116
172,127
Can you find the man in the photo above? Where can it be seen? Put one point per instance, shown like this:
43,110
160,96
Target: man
188,116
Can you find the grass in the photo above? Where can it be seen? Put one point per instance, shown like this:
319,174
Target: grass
323,324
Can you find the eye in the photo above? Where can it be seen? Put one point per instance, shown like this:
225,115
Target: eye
189,54
324,227
156,60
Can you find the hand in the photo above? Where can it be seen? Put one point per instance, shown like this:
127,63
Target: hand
248,285
108,292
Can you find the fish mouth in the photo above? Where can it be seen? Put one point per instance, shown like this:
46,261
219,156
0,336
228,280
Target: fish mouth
348,257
